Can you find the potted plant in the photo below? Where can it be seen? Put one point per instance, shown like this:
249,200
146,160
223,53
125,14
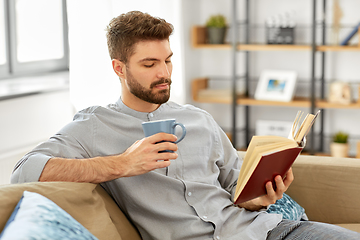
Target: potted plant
216,29
339,146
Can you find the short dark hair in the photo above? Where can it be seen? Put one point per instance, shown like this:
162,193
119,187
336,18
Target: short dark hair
124,31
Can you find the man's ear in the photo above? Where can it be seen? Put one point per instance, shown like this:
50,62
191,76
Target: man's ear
119,68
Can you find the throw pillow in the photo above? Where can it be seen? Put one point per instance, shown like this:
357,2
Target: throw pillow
36,217
288,208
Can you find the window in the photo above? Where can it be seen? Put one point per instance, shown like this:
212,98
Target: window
3,51
33,37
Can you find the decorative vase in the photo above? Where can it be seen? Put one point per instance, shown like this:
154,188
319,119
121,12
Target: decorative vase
216,35
339,149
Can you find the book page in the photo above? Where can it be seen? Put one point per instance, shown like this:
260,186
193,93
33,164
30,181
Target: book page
305,126
295,125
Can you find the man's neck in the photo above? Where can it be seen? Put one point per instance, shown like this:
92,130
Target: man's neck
138,104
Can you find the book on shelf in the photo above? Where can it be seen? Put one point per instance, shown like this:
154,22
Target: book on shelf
350,35
223,94
269,156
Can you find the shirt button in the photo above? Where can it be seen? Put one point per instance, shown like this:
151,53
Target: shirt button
205,217
218,237
189,194
151,115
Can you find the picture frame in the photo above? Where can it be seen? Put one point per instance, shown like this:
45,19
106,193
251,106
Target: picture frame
340,92
276,85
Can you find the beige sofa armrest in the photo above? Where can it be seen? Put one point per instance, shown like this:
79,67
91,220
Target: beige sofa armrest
328,188
125,228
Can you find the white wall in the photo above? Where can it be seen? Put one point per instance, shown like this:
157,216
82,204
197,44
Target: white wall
339,65
92,79
27,121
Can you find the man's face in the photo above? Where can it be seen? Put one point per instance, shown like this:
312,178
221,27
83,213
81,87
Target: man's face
148,71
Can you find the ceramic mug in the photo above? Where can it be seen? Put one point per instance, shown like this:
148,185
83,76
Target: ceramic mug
167,126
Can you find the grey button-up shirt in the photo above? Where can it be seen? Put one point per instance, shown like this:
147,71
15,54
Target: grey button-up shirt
191,199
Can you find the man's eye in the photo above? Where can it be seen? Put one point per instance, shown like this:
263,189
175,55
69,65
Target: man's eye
149,65
168,61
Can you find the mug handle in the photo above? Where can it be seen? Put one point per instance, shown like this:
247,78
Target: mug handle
184,131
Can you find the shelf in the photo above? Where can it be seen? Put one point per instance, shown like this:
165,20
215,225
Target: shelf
296,102
200,84
325,104
199,41
273,47
224,97
338,48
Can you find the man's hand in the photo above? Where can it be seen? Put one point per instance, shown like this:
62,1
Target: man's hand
141,157
272,195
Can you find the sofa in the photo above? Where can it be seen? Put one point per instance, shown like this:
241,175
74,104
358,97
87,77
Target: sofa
328,188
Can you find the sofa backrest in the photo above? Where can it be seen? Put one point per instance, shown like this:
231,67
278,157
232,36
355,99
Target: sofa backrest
87,203
328,188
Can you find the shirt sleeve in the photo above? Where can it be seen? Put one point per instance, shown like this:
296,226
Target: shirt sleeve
75,140
230,164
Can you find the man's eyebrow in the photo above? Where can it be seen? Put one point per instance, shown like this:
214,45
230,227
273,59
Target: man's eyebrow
170,55
154,59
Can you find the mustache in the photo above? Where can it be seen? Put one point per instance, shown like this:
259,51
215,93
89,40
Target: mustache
161,81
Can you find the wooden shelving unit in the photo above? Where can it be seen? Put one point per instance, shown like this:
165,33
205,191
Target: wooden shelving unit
199,41
200,85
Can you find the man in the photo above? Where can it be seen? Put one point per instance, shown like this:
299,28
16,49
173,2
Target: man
186,196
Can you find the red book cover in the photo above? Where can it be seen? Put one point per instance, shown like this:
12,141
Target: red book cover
269,166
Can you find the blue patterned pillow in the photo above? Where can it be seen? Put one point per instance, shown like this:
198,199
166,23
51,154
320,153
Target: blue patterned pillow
288,208
36,217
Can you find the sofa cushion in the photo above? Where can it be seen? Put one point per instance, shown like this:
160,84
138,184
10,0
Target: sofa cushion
80,200
328,188
36,217
351,226
288,208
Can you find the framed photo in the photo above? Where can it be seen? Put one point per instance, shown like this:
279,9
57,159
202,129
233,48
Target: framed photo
340,92
276,85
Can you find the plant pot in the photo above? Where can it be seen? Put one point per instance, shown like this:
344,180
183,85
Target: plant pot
339,149
216,35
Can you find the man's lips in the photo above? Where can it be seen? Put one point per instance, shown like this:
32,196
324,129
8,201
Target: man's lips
162,86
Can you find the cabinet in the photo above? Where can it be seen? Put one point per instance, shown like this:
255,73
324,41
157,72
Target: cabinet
316,98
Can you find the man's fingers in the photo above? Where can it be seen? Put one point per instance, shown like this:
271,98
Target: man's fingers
162,142
162,164
270,190
159,147
289,178
160,137
271,195
280,186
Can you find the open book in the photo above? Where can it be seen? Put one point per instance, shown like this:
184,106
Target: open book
269,156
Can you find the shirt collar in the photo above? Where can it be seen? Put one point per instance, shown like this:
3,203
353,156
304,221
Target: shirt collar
142,115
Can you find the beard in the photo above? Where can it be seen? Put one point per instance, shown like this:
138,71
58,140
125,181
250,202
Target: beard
148,95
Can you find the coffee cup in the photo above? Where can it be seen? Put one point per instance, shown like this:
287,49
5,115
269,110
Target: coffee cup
167,126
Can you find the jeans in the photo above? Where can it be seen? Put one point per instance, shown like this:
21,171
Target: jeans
288,229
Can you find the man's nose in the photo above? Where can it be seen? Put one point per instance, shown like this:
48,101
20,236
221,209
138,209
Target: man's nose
164,71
